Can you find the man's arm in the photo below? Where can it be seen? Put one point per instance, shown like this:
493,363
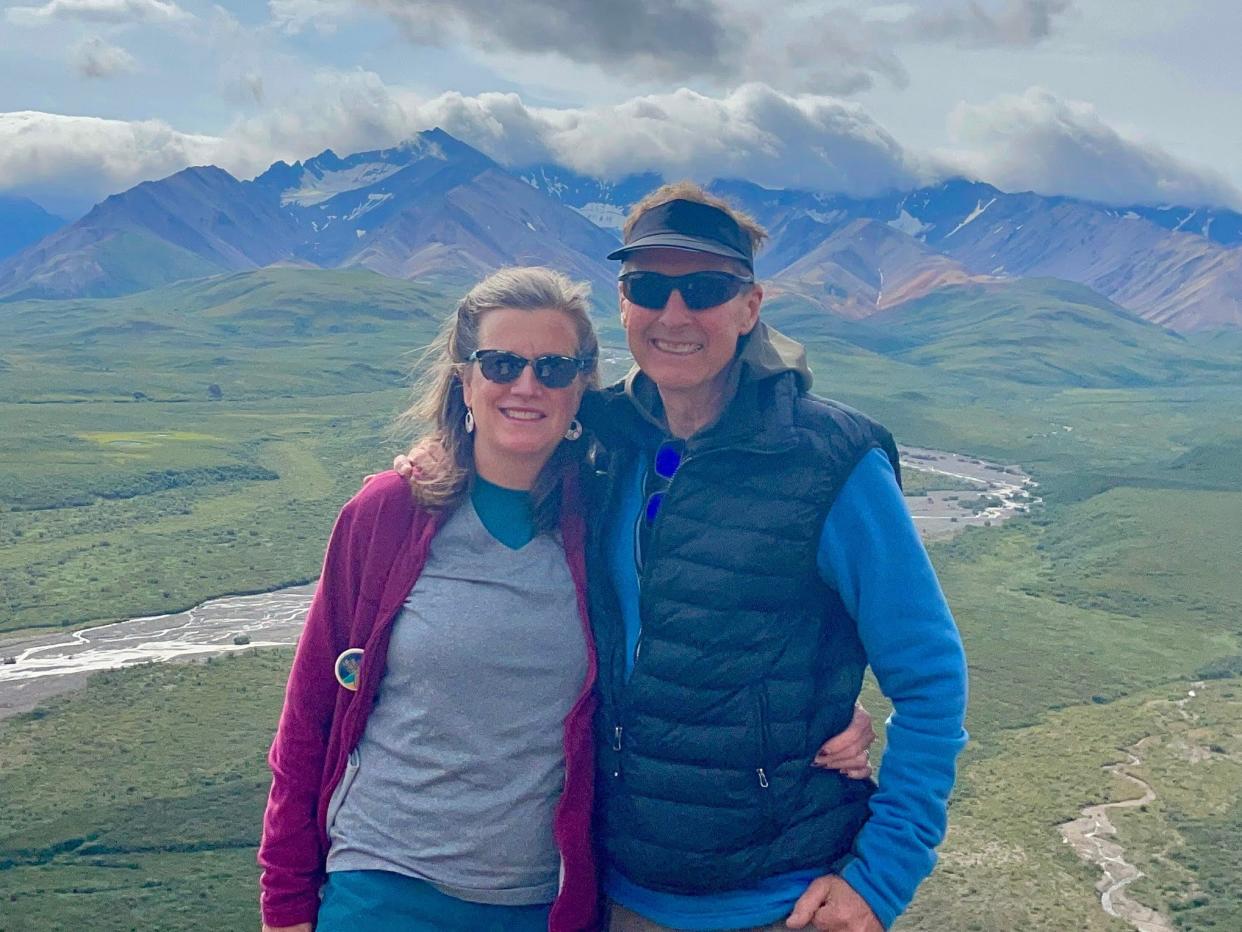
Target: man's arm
870,552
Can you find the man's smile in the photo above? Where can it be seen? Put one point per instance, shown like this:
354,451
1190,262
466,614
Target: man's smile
676,347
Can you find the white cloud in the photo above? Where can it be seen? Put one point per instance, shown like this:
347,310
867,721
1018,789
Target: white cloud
95,58
295,16
1034,141
754,132
100,11
344,111
1012,24
718,44
847,50
1037,141
86,158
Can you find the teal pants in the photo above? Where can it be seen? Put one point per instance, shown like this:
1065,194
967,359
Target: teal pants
354,901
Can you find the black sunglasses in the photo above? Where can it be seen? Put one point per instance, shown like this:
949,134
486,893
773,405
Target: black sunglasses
664,466
551,370
700,290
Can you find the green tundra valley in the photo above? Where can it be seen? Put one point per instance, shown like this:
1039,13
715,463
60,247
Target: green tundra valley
197,440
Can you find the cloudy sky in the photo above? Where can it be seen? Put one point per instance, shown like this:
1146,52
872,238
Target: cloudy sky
1123,101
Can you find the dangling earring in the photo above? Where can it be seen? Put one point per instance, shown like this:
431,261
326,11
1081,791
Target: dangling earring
469,421
574,431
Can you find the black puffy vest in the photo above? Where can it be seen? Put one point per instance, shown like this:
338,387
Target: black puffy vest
747,662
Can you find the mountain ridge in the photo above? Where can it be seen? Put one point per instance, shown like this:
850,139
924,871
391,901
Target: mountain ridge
23,222
434,205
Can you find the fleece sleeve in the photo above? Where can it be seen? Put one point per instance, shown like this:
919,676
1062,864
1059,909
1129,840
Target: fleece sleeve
871,554
290,852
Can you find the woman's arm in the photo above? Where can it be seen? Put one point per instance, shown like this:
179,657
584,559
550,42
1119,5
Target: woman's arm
850,751
291,851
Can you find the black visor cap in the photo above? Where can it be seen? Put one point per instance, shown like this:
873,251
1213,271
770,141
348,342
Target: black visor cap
691,226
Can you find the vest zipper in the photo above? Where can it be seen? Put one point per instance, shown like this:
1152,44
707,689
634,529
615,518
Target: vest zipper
642,587
766,801
612,678
616,747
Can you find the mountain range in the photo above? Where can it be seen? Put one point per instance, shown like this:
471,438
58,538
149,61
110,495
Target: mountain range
23,222
436,207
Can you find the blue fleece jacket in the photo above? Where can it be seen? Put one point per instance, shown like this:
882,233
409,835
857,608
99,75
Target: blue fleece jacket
871,554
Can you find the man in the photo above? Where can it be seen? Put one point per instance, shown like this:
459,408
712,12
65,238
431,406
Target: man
757,556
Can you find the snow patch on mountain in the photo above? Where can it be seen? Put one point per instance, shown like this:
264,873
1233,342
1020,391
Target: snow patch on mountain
608,216
910,225
980,207
826,217
316,190
549,185
373,201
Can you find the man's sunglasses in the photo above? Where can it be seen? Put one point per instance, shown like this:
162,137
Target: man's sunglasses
664,466
699,290
551,370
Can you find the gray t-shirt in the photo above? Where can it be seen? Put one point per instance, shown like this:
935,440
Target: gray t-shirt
458,773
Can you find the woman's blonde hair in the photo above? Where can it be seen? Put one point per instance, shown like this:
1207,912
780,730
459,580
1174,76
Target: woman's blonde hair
444,451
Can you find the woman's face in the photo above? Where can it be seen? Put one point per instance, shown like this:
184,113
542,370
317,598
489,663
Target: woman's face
518,424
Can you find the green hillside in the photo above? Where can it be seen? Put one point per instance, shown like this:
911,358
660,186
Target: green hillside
125,261
1035,331
1084,622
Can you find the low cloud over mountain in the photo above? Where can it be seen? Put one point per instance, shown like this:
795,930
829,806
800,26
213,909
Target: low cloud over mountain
67,159
1040,142
1035,141
755,132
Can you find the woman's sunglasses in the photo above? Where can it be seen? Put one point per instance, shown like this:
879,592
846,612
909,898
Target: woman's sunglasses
699,290
551,370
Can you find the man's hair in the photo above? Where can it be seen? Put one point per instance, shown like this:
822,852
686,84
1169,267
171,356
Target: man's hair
690,191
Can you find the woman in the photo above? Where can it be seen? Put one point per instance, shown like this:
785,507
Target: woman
448,784
433,765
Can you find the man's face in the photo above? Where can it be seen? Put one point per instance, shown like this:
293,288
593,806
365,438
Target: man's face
679,349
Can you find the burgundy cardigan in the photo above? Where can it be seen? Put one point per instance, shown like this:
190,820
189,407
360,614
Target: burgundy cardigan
377,550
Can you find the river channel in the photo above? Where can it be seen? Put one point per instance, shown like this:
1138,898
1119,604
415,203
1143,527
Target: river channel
40,664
